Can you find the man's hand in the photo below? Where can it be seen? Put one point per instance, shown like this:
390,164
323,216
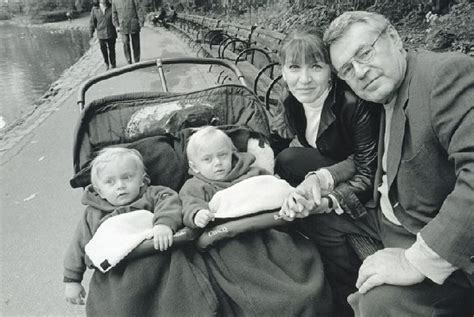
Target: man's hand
75,293
387,266
203,217
162,237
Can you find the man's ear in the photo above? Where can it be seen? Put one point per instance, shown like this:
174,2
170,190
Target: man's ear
395,37
193,166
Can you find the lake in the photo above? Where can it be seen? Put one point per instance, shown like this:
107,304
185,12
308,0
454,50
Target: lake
31,59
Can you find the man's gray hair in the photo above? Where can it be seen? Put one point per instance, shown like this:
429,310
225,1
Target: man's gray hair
341,24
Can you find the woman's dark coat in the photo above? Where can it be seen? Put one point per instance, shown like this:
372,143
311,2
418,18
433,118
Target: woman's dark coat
348,133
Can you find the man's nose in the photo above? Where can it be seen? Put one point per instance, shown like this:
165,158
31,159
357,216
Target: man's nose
360,69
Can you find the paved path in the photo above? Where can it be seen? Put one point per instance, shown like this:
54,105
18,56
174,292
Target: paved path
38,209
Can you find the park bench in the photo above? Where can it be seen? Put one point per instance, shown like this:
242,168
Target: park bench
256,55
235,38
264,56
210,29
190,24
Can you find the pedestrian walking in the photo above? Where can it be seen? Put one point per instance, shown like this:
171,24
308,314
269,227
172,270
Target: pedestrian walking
128,18
101,20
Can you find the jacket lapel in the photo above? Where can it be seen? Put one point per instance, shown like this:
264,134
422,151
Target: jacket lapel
397,128
327,114
380,149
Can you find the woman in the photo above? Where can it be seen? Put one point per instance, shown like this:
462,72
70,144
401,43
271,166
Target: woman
332,154
101,20
334,133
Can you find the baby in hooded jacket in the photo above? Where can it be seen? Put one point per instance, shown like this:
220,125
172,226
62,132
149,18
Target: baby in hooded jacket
119,186
225,183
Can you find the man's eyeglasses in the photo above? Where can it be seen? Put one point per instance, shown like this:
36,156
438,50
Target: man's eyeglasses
363,56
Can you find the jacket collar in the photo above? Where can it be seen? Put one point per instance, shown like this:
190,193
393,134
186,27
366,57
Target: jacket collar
327,115
241,162
297,119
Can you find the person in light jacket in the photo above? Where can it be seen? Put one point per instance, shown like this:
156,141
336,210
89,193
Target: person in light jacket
128,18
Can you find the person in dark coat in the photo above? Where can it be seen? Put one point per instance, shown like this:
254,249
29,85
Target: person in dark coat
333,133
101,20
423,193
332,136
128,18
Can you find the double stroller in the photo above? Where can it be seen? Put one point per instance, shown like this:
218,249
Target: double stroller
251,265
157,124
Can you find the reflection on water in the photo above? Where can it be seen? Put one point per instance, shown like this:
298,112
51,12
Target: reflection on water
30,60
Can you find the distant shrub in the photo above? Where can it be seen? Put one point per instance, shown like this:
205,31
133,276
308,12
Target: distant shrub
50,16
453,31
5,16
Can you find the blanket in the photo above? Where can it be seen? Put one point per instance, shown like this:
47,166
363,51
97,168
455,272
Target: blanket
250,196
170,283
118,236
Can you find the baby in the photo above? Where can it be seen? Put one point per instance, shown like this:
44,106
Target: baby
119,185
216,169
215,165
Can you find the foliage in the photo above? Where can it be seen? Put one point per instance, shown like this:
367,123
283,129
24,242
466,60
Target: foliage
5,16
397,11
151,5
32,7
453,31
83,5
50,16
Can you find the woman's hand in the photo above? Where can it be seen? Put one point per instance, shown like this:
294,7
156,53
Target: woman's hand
297,205
294,206
311,189
162,237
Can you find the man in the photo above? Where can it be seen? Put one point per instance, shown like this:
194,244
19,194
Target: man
424,187
128,18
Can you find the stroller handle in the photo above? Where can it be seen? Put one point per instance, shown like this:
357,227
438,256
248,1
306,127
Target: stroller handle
158,62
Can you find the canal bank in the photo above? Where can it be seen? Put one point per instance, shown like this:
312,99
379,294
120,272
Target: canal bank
85,67
39,210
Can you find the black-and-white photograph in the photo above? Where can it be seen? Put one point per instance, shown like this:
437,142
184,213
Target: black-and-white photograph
237,158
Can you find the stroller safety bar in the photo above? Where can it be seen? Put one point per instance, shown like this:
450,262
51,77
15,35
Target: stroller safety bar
159,63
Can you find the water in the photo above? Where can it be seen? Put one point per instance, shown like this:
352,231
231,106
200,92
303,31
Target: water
31,58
